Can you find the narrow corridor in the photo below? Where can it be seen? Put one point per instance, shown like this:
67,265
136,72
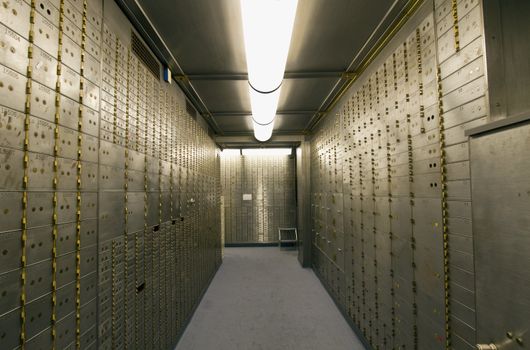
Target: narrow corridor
261,299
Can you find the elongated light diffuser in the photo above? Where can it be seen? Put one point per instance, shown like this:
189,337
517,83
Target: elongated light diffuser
263,132
267,31
264,105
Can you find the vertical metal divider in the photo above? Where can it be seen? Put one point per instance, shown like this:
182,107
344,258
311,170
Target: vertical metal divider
412,194
126,198
167,191
178,228
147,240
158,229
164,304
97,175
155,258
25,182
159,234
456,29
390,233
114,243
348,224
443,175
173,218
358,163
165,320
136,235
171,227
374,216
56,179
113,297
79,177
363,267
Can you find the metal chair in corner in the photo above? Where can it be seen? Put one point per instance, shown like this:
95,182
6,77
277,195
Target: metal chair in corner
288,235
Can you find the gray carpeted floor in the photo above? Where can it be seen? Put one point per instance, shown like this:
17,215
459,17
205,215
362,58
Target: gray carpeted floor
261,299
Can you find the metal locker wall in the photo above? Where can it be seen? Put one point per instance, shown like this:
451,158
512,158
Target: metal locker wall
270,180
396,153
103,179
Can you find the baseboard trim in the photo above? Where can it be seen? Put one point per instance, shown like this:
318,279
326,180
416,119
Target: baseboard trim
344,313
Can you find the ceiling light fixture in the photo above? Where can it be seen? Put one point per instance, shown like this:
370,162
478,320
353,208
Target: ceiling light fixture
263,132
267,30
264,105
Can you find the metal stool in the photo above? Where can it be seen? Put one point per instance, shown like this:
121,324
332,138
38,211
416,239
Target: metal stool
287,235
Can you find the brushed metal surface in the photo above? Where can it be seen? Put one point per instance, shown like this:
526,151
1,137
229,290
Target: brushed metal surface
39,277
135,207
15,15
88,318
41,341
111,213
10,291
66,300
69,113
88,260
91,95
46,34
39,313
92,70
14,49
111,178
13,89
499,229
66,330
12,126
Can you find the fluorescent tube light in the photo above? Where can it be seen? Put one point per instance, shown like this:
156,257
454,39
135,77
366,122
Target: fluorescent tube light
267,30
263,132
264,105
266,151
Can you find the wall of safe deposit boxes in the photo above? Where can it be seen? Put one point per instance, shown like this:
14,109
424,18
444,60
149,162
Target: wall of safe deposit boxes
390,180
103,177
270,180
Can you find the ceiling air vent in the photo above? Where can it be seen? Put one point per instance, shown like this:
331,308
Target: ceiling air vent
191,110
143,53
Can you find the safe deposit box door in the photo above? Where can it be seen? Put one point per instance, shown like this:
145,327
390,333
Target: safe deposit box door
500,170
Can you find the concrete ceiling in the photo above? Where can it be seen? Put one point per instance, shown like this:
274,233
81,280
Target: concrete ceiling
204,38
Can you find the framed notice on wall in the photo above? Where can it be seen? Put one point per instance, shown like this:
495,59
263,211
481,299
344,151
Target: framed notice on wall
247,196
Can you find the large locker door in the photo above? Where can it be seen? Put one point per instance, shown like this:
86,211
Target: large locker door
500,170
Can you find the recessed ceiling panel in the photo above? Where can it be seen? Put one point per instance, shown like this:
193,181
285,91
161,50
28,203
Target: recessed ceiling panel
328,34
224,95
235,124
205,36
292,122
304,94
